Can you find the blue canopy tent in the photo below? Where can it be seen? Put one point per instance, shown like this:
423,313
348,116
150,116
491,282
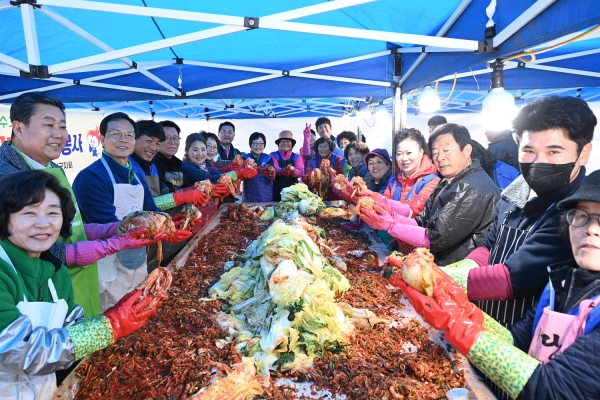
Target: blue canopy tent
247,59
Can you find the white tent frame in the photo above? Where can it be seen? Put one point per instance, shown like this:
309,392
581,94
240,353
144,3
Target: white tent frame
230,24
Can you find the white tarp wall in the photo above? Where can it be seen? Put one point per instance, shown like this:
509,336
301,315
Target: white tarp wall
83,148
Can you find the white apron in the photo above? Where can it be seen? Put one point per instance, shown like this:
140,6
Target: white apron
120,273
41,314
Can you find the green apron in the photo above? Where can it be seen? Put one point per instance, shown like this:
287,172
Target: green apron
84,279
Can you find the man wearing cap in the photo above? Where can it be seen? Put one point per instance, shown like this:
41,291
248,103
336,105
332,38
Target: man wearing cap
289,166
379,165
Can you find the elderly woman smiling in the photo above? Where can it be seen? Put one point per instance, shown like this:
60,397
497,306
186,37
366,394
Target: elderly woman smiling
379,166
41,328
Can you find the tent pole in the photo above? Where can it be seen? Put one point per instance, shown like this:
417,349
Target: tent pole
399,111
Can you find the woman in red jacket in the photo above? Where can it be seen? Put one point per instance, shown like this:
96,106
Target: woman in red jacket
408,191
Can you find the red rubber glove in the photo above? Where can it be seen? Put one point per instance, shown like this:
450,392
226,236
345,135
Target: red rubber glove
378,219
126,316
178,236
346,192
462,325
179,218
265,172
133,239
246,173
190,196
229,167
219,190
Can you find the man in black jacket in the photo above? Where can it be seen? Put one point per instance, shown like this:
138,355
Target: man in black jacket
503,146
226,151
171,177
507,273
459,212
168,165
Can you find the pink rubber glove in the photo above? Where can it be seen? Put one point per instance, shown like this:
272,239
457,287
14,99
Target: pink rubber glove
101,231
380,219
85,253
391,205
126,316
306,142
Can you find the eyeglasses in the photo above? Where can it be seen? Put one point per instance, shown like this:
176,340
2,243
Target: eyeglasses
118,135
213,148
226,132
170,138
259,144
579,218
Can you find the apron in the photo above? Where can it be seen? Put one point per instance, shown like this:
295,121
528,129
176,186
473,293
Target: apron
221,163
281,182
557,331
151,260
41,314
84,278
506,312
120,273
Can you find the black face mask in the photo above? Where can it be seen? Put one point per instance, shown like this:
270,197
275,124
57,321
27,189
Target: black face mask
544,178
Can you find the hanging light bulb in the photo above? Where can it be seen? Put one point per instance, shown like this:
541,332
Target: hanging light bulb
428,100
381,113
498,107
365,113
345,120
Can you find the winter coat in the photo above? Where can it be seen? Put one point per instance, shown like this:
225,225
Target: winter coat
504,174
458,214
566,376
505,149
169,172
95,193
379,187
192,173
403,189
527,266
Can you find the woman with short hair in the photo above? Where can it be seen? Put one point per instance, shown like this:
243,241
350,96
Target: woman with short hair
259,188
42,330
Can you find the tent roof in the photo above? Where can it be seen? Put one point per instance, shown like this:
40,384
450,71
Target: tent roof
306,57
